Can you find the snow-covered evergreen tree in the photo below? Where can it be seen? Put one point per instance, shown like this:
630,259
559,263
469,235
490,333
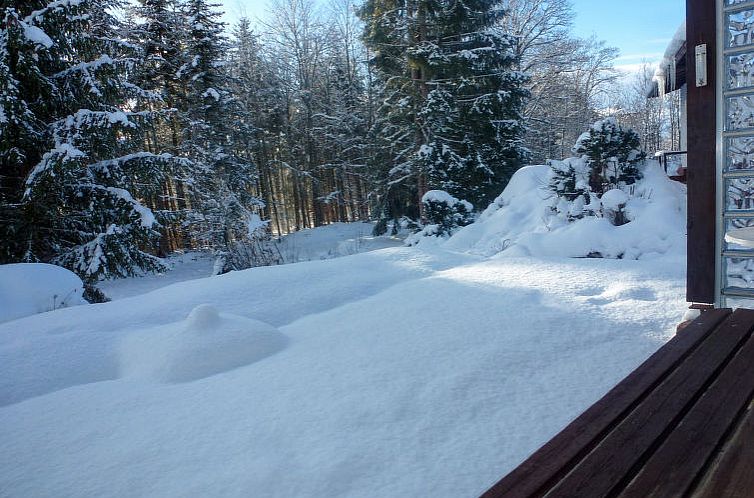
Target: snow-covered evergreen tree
613,154
569,181
78,203
158,32
446,212
224,181
26,96
258,129
158,29
608,159
452,101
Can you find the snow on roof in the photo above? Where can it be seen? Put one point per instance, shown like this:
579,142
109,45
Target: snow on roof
670,75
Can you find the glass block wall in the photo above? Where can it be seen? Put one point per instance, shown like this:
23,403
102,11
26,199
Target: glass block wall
737,141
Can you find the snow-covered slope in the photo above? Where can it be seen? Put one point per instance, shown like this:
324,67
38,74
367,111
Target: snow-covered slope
520,222
400,372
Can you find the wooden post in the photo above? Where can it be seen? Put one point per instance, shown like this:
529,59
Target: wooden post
701,111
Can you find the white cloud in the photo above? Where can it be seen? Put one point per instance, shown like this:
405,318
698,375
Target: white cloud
634,67
650,56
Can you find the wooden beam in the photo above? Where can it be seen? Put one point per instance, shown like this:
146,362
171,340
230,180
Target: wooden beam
673,468
730,474
702,107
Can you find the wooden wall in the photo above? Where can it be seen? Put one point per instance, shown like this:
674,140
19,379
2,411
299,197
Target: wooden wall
701,28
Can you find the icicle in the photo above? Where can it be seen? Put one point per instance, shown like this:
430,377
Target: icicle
660,79
672,69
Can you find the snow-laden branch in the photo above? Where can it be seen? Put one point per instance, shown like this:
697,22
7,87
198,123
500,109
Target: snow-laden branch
57,4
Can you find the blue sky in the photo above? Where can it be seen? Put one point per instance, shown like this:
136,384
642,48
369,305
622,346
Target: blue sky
641,29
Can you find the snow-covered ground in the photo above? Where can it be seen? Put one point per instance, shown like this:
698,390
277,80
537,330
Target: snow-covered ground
180,267
422,371
326,242
333,241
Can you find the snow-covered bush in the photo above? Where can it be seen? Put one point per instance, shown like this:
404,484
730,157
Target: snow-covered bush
607,162
570,182
446,212
612,153
444,215
254,248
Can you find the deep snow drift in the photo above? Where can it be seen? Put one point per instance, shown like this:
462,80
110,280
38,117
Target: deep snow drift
29,288
521,223
399,372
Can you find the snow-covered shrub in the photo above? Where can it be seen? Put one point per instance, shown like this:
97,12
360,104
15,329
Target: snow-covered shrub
445,211
254,248
613,154
94,294
608,159
569,181
444,215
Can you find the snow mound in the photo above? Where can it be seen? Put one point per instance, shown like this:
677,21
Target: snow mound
442,197
30,288
614,199
521,221
204,344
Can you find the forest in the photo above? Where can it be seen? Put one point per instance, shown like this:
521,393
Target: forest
131,130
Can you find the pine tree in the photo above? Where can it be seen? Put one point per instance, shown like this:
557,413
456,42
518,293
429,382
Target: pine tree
258,129
78,204
224,181
452,111
26,97
613,154
158,29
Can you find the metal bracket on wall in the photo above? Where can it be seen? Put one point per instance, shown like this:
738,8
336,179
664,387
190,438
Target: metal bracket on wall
700,54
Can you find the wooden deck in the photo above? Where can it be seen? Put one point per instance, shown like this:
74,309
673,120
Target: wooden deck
680,425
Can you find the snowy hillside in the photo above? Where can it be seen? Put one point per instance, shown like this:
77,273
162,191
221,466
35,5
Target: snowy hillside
412,371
